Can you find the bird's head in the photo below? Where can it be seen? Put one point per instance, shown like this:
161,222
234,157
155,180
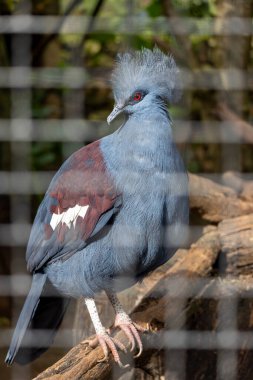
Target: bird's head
142,78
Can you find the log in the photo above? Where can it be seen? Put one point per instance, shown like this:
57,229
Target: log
225,306
243,188
247,191
154,310
215,202
236,236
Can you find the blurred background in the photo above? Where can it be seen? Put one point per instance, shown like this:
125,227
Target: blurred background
55,62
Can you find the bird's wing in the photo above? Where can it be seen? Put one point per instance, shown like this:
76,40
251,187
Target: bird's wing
80,201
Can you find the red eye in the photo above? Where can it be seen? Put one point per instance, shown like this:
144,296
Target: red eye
137,96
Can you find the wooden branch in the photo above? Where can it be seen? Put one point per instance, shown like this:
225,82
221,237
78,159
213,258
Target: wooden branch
82,362
237,241
243,188
215,202
224,304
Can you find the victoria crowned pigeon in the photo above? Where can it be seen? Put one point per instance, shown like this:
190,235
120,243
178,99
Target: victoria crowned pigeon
116,210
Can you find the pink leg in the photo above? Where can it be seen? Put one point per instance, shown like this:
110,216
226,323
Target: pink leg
106,342
124,322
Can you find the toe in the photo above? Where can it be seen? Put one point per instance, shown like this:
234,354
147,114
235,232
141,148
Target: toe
119,345
138,340
104,347
107,344
131,331
126,329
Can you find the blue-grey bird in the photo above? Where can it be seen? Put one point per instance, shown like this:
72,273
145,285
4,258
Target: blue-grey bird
116,210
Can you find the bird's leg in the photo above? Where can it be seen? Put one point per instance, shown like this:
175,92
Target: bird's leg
124,322
102,336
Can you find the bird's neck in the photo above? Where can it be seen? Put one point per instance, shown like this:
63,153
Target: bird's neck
147,132
143,144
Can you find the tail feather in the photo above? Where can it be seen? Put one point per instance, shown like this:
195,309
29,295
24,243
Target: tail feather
38,322
26,315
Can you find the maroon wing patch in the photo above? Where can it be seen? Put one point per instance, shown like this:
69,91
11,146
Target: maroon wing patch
81,194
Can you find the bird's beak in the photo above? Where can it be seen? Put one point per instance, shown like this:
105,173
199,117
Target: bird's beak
115,112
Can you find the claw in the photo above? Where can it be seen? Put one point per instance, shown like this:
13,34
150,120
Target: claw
106,342
131,330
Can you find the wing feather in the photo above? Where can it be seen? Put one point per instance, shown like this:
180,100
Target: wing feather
80,201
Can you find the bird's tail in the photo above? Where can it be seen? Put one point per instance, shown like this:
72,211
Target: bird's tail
39,313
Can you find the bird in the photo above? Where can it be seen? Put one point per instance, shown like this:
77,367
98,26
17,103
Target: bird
116,210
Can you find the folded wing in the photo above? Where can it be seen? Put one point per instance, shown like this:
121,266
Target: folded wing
80,201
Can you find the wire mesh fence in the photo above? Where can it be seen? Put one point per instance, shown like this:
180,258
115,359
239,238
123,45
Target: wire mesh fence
23,181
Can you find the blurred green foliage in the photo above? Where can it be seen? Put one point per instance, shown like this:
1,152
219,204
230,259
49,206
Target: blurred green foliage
96,52
196,8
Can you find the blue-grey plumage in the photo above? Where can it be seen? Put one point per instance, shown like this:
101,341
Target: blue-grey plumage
149,173
138,217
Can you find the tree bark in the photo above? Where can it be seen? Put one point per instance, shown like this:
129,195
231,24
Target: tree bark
215,202
237,242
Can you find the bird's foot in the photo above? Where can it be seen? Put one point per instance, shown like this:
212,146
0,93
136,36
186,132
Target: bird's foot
108,343
131,330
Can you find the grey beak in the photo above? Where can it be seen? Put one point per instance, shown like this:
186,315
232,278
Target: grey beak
115,112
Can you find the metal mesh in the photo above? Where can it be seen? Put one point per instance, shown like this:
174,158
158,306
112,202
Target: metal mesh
20,182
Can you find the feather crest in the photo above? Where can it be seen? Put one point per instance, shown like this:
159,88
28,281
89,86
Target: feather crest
146,69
